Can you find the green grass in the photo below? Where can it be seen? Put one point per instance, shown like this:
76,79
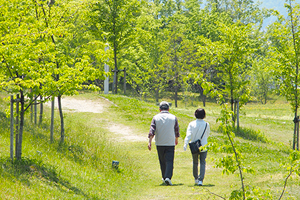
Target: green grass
81,168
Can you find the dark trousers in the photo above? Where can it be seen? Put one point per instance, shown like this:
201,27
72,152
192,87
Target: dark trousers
196,156
166,160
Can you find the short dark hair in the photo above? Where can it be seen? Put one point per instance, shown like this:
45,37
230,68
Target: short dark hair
200,113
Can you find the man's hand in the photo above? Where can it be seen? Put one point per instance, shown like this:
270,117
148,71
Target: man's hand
149,146
176,140
149,143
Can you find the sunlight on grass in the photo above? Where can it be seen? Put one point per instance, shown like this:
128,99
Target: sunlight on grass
81,168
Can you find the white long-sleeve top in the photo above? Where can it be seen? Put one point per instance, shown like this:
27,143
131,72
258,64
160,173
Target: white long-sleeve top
195,131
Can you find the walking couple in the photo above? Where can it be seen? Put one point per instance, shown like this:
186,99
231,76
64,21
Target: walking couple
165,128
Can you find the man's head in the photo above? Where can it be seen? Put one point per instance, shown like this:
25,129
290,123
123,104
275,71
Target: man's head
200,113
164,105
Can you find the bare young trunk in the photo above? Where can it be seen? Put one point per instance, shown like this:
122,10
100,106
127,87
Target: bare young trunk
52,120
17,123
35,110
62,128
124,81
41,111
296,128
115,83
31,107
19,153
238,115
12,127
238,164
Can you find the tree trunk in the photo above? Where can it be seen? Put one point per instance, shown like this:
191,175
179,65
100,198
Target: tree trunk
41,111
17,123
296,122
12,127
203,96
238,115
35,110
52,120
296,129
232,108
124,81
31,108
115,82
19,153
176,96
156,95
62,128
297,136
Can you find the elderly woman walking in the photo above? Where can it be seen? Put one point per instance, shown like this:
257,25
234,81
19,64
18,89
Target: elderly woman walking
197,129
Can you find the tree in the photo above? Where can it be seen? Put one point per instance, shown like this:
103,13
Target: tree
245,11
73,57
284,36
145,57
20,68
36,54
262,81
231,56
113,23
198,25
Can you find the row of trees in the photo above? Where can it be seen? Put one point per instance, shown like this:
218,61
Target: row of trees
181,46
46,52
54,48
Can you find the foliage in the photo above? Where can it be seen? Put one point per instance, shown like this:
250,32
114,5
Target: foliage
251,193
284,55
146,73
231,58
113,23
262,81
164,45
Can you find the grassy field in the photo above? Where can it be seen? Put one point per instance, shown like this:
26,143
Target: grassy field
81,168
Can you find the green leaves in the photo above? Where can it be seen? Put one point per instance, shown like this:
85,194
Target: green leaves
284,53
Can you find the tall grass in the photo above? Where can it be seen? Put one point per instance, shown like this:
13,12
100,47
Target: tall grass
81,168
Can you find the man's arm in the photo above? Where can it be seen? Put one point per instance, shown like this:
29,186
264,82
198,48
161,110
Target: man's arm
151,133
176,129
176,140
150,141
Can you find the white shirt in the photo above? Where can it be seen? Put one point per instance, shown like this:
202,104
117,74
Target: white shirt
195,131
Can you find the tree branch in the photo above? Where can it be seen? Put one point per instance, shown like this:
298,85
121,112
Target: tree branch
215,194
6,64
285,182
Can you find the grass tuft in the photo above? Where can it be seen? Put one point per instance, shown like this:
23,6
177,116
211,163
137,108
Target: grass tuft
250,134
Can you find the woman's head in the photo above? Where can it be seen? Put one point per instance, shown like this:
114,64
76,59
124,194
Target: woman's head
200,113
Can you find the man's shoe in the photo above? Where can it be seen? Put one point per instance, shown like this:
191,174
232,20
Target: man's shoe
196,181
168,181
200,183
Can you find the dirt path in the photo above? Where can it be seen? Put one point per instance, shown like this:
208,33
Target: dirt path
122,132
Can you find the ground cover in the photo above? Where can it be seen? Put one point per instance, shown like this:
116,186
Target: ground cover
81,169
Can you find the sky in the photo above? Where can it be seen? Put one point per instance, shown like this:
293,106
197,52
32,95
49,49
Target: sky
276,5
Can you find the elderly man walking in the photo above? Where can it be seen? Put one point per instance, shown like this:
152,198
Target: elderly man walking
165,128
